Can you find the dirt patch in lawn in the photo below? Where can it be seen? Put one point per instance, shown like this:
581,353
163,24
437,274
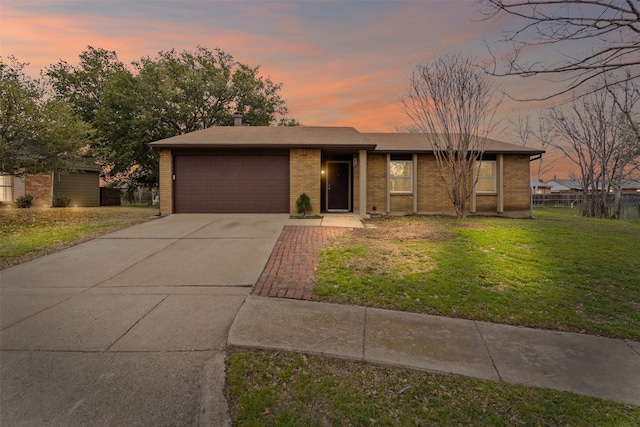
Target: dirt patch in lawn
406,229
392,246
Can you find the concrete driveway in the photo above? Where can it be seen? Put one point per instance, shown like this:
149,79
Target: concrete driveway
130,328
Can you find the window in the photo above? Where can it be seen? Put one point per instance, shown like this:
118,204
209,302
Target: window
486,171
6,188
401,173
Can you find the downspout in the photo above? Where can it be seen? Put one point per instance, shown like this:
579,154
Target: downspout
474,179
415,183
538,157
388,190
500,171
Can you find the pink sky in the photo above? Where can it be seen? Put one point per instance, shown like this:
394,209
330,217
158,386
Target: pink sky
342,63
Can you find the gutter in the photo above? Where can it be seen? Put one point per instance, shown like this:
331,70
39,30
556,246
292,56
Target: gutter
538,157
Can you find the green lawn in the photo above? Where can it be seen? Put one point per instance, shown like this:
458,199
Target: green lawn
267,388
559,271
26,234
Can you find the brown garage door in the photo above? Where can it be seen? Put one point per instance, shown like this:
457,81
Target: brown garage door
231,183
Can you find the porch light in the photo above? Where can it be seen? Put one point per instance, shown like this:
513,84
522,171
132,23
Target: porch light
322,172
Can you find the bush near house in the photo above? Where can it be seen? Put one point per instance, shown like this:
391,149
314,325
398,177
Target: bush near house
60,201
303,205
24,201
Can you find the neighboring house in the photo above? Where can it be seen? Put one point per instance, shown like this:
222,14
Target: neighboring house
565,186
243,169
82,187
631,186
539,187
574,186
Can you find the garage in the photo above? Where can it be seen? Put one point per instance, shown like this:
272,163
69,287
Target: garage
231,183
82,187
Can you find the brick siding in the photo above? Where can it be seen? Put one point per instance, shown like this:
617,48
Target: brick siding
304,172
486,203
432,193
517,183
377,183
402,203
39,186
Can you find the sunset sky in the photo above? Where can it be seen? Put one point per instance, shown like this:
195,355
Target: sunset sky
342,63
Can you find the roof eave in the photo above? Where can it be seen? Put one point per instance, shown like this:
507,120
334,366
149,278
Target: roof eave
160,145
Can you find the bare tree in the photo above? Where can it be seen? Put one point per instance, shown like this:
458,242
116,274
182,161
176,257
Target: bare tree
625,96
526,129
452,101
523,128
600,140
408,129
612,28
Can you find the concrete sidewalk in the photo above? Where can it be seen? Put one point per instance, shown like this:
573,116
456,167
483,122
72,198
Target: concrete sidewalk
328,220
590,365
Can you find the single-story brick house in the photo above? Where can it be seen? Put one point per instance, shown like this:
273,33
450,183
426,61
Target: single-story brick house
244,169
82,187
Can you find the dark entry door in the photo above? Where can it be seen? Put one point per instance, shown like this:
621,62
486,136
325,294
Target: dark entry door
338,186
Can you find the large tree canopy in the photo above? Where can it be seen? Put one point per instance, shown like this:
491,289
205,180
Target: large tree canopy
37,133
155,98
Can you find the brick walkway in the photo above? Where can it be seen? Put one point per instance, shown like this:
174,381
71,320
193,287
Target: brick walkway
291,269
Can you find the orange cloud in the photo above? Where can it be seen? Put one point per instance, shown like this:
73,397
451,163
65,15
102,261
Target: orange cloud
341,64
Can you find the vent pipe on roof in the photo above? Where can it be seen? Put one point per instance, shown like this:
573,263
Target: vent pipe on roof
237,119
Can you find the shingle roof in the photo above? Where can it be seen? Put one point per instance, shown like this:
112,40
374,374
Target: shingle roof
267,136
318,137
419,142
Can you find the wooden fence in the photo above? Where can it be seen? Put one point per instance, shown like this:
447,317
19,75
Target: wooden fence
110,196
557,200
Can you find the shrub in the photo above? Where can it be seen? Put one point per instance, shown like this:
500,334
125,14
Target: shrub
303,204
60,201
24,201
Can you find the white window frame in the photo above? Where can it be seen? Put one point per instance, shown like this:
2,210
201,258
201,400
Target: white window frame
409,177
494,177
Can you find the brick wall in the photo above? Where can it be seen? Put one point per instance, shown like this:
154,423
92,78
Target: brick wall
487,203
432,193
402,203
377,183
166,182
517,184
39,186
304,172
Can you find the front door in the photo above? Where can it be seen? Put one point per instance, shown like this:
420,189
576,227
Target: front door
338,186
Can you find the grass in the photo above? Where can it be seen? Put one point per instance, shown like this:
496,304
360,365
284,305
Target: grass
267,388
26,234
559,271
